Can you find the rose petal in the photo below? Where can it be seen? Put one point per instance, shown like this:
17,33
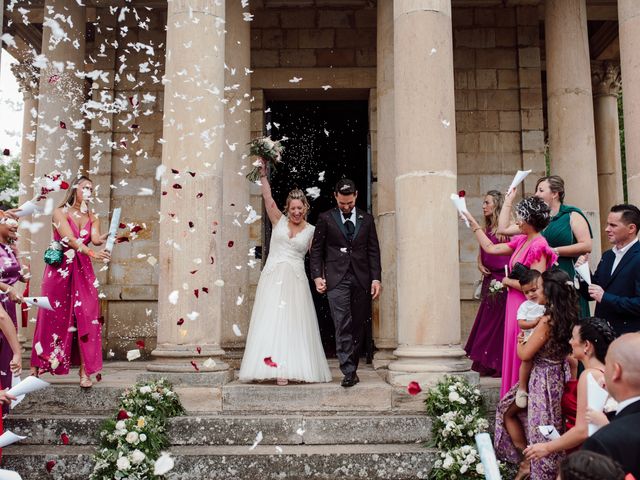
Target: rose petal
462,193
205,289
193,174
98,377
123,415
195,366
50,464
180,321
163,464
65,438
196,292
199,195
177,186
230,244
63,125
84,338
6,152
140,344
270,363
414,388
199,350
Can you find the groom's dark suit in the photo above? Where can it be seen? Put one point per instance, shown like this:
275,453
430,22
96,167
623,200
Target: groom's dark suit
620,304
348,263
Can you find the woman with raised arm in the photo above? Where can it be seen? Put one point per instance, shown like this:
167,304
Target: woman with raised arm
71,333
283,342
568,232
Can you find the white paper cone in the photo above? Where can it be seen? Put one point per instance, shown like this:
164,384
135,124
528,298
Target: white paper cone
8,437
488,457
9,475
28,385
15,381
113,229
596,398
549,432
518,178
42,302
461,206
584,272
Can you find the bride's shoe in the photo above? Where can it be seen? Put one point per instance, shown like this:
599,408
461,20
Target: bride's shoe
282,381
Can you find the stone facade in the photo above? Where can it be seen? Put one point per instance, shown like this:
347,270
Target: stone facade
498,66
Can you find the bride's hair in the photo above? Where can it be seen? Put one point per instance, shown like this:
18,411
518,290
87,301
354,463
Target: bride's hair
297,194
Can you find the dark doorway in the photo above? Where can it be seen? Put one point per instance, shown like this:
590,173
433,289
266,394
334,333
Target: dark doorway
329,137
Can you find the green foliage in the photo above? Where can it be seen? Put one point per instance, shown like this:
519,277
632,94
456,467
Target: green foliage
622,149
9,181
131,443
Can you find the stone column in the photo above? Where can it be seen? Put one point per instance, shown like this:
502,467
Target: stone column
385,329
606,87
191,243
629,28
235,300
572,141
60,131
27,77
426,227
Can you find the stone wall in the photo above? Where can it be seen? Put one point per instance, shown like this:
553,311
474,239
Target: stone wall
499,118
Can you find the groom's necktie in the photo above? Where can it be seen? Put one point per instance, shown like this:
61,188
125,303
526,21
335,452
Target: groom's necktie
348,225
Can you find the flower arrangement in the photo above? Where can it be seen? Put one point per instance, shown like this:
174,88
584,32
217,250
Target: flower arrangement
131,444
495,287
457,414
269,151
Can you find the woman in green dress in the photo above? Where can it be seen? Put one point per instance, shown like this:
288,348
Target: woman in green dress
568,234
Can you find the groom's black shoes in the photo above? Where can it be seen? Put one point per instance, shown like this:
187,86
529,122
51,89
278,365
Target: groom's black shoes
350,379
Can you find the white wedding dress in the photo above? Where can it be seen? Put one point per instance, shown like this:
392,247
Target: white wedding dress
284,326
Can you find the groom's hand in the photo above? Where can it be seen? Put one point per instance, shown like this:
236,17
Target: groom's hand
376,287
321,284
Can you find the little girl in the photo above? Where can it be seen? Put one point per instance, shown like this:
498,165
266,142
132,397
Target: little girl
529,314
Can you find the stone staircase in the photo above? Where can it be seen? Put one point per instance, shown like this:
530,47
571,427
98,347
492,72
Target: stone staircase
320,431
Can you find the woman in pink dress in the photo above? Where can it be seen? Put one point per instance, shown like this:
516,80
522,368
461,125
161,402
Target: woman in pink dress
531,250
71,334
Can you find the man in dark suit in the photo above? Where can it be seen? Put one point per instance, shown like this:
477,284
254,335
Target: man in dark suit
345,263
620,439
616,282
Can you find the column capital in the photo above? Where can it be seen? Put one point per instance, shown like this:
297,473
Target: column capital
605,78
27,76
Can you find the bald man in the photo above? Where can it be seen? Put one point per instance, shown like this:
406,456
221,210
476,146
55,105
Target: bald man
620,440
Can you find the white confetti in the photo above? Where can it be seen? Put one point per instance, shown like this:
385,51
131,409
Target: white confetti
300,431
219,283
193,315
252,215
236,330
133,354
173,297
256,441
326,87
321,176
209,363
163,464
313,192
239,300
295,80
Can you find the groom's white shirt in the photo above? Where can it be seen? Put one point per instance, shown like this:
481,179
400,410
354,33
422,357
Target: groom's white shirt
352,217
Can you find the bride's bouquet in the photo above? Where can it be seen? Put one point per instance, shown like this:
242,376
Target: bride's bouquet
270,151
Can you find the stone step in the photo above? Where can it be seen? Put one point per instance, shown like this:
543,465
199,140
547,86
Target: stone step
240,463
343,429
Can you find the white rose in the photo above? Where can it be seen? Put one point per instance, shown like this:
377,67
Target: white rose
120,425
453,396
137,456
132,437
145,389
123,463
448,461
143,437
463,469
479,469
461,400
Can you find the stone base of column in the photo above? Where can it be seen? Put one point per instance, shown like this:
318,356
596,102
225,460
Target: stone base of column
174,361
383,357
428,364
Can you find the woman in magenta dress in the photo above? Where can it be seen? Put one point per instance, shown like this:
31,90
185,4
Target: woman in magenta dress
529,249
71,334
484,346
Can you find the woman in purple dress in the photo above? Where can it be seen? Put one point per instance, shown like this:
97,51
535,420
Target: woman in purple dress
484,346
10,273
71,334
548,347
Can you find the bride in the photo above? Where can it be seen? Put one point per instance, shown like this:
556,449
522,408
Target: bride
284,339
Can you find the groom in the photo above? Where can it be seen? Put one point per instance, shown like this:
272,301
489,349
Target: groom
345,263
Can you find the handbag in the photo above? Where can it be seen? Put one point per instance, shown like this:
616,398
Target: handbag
517,271
53,255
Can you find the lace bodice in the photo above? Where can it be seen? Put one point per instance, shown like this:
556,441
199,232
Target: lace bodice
285,249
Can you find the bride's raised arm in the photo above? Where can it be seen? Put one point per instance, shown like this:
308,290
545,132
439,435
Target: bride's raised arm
273,211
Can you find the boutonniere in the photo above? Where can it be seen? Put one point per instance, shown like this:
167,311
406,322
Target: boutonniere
360,217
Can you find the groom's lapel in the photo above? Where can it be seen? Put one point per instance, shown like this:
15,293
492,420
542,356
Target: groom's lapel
336,216
359,220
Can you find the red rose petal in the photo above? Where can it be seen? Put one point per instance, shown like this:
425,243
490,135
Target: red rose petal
65,438
98,377
136,229
50,464
414,388
101,319
164,193
63,125
196,292
133,101
177,186
123,415
174,171
122,239
193,174
462,193
64,185
194,365
134,126
270,363
211,260
199,195
180,321
6,152
199,350
84,338
53,78
190,224
230,244
205,289
122,225
140,344
193,272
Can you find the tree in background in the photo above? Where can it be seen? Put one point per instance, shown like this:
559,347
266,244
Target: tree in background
9,180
